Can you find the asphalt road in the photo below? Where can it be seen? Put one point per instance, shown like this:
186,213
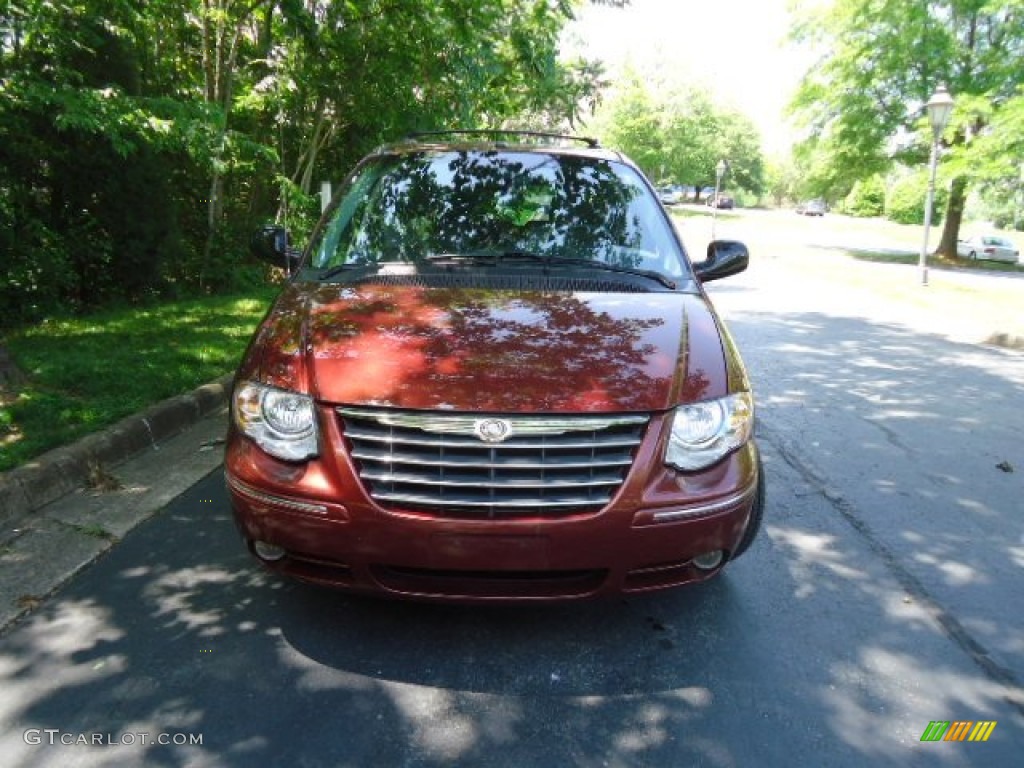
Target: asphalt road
884,593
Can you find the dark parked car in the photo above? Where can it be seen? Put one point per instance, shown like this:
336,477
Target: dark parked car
721,201
494,374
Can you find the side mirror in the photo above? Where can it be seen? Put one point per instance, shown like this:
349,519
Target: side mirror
272,243
725,258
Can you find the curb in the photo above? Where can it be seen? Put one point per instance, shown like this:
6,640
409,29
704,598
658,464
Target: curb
48,477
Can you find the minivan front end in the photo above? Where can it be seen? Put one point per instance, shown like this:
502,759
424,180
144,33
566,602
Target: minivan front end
348,519
496,376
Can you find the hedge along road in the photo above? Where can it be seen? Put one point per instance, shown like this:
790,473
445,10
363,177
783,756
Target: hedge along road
883,596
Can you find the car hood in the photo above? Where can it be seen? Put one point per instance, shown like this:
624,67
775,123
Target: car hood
469,349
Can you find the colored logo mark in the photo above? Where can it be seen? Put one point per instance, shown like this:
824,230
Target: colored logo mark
958,730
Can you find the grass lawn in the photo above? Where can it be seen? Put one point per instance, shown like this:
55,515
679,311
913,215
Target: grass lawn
934,261
87,373
701,211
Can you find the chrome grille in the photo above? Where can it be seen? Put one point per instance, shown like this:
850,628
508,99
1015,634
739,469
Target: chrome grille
435,462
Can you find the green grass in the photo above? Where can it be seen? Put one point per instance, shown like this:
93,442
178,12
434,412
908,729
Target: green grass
991,266
701,211
86,373
883,257
934,261
96,531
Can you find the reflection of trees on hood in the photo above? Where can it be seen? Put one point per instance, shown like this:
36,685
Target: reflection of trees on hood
557,334
465,201
529,352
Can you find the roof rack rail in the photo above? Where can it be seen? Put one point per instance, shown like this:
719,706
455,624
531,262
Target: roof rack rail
590,142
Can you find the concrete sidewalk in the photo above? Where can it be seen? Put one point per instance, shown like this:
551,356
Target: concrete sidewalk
44,546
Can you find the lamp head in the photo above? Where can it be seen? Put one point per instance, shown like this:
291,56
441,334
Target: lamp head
940,107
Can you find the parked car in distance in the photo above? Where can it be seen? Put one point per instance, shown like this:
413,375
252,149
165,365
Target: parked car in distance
812,208
989,247
722,201
671,195
494,374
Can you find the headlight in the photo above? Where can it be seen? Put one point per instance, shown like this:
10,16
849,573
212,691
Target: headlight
703,433
282,423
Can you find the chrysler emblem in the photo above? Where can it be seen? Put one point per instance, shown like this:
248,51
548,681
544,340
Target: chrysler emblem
492,430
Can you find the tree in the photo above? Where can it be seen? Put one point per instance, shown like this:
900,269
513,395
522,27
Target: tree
738,142
881,61
680,134
996,160
142,139
781,180
630,121
80,159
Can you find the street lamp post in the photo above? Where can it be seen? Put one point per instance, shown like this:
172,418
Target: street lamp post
1018,215
720,170
939,107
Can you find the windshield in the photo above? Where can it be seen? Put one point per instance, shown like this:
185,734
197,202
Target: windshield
412,207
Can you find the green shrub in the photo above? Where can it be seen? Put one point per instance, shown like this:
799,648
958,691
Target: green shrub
866,199
905,202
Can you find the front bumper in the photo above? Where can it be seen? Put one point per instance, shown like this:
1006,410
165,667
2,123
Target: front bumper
326,530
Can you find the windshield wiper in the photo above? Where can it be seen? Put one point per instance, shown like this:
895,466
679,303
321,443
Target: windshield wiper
650,274
476,257
337,269
493,257
350,266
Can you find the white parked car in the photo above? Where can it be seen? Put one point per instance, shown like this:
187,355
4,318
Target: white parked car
671,195
991,247
812,208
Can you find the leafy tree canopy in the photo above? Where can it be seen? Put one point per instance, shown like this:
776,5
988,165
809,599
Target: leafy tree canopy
142,139
862,106
679,134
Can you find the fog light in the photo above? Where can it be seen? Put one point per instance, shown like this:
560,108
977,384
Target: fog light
268,552
709,560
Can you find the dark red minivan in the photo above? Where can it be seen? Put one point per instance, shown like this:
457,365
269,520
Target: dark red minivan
494,375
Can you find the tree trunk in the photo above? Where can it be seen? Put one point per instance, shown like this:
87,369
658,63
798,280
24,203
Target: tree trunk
954,215
11,377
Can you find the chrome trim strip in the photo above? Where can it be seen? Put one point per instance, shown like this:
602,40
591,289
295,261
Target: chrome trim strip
469,463
433,501
280,501
459,424
511,485
697,510
376,437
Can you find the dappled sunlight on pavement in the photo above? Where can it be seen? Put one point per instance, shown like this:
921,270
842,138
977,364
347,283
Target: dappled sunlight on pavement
906,434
